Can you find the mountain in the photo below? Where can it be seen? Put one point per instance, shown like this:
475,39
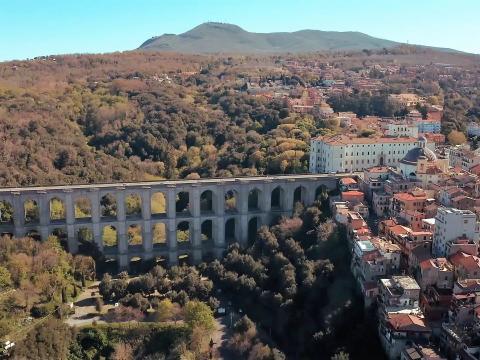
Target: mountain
214,37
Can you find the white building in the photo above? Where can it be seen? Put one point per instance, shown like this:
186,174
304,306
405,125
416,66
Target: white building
452,224
344,153
400,129
428,126
462,156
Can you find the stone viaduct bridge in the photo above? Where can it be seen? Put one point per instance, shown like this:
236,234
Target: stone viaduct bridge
171,220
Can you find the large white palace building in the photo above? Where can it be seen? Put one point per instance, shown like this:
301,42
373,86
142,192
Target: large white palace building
348,153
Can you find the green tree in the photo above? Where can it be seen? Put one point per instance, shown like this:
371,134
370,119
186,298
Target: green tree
165,310
5,278
199,314
51,340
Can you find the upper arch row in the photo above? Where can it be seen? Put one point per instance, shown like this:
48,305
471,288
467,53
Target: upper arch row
52,207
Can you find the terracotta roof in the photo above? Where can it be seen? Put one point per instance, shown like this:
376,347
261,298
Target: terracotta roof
469,262
352,193
348,181
419,233
438,263
475,168
461,197
427,264
348,140
407,322
409,196
454,190
389,222
379,169
469,284
399,230
362,231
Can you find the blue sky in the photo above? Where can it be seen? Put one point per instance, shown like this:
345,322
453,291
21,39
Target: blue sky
30,28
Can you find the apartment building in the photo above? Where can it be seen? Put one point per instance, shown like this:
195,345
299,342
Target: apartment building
463,157
452,224
400,128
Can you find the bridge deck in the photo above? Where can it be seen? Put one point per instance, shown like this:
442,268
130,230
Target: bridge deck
173,183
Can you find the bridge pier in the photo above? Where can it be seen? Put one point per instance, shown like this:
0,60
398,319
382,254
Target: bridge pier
207,202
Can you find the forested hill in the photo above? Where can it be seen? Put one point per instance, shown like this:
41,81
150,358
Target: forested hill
120,117
218,37
150,115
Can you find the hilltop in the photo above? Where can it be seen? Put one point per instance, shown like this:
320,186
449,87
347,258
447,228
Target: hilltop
213,37
218,37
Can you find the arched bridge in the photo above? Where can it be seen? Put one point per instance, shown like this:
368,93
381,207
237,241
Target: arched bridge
169,219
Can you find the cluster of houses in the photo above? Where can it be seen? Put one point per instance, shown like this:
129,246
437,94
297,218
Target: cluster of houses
414,233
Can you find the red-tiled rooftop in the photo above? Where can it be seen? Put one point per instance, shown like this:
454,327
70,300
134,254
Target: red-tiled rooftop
378,169
407,322
348,181
399,230
469,262
410,196
348,140
440,263
352,193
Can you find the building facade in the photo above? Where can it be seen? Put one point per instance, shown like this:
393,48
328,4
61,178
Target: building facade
452,224
342,153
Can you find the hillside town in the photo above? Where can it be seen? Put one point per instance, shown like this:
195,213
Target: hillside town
412,219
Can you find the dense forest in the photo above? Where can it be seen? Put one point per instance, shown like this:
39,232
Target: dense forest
138,116
294,275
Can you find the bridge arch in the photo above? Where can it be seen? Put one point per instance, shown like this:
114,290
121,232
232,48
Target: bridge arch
85,238
182,203
254,199
31,211
109,236
57,209
6,212
300,195
159,234
231,201
206,231
134,235
277,198
254,224
83,207
183,233
207,202
108,206
61,234
133,205
231,231
320,192
158,204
